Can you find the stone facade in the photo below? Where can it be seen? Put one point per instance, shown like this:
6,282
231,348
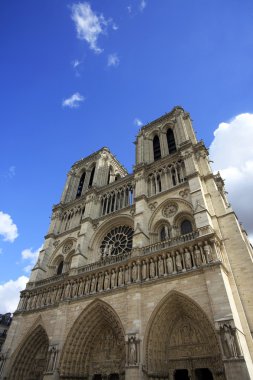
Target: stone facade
142,276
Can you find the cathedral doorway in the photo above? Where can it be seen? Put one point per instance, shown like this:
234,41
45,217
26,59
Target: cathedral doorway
203,374
181,341
181,374
95,346
30,362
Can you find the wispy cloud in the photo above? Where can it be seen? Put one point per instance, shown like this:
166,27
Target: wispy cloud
8,229
142,5
115,27
73,101
89,25
76,63
31,257
136,7
113,60
11,172
138,122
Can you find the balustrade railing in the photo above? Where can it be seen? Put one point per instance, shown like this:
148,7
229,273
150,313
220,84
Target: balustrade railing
124,270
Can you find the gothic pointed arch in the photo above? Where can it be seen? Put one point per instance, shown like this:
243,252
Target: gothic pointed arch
171,141
80,186
95,344
30,359
156,148
180,335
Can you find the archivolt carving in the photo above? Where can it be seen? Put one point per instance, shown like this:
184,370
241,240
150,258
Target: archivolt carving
30,360
179,329
98,329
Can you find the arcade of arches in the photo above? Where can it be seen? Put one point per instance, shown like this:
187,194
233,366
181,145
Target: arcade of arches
179,344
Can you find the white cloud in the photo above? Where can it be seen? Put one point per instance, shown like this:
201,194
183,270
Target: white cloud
129,9
73,101
9,294
8,229
138,122
113,60
12,172
88,25
143,5
232,153
76,63
31,256
115,27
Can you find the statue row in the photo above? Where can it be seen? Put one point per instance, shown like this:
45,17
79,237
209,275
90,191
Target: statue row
134,272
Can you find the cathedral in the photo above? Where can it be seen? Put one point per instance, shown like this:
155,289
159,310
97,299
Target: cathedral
142,276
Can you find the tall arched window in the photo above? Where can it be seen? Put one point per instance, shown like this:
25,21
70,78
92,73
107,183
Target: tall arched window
156,148
91,177
109,175
80,186
186,227
60,268
171,141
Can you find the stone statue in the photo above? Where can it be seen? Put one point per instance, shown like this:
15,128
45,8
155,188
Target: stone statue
132,351
68,290
107,281
197,255
160,266
81,287
134,272
144,270
120,277
178,262
93,284
229,340
52,358
87,285
208,252
188,261
100,282
113,279
169,262
75,289
152,268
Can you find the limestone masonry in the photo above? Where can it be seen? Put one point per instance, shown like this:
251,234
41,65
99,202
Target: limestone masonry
146,275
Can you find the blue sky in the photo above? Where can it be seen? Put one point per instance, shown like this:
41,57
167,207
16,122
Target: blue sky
78,76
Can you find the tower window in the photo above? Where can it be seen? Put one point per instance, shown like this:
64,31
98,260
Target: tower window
186,227
60,268
91,177
171,141
156,148
80,186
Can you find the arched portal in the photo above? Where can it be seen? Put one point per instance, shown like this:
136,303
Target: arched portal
95,346
181,342
30,362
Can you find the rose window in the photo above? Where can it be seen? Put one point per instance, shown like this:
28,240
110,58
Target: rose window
117,241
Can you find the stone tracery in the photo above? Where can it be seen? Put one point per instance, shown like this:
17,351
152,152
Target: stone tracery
117,241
